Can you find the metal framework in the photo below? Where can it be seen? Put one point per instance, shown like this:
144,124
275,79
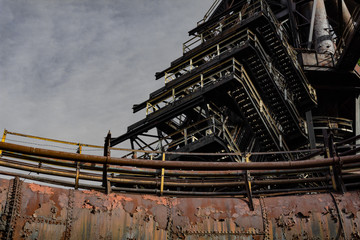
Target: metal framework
260,104
243,94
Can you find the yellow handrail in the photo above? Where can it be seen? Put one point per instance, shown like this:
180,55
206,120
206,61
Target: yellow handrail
3,139
53,140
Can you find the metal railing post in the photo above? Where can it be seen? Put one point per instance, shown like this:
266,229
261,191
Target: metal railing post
106,182
162,176
248,184
77,168
3,139
185,136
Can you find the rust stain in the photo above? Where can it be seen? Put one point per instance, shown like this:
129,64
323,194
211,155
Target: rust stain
43,214
158,200
40,189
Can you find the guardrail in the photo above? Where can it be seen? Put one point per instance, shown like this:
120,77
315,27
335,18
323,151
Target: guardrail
195,178
234,19
263,111
207,55
227,22
190,85
228,44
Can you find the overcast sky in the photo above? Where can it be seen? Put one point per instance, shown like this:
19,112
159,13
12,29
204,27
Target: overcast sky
73,69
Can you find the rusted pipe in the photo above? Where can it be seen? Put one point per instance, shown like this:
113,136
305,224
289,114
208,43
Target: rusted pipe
323,39
349,140
178,164
119,180
154,172
150,182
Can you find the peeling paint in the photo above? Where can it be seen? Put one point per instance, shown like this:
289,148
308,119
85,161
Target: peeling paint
52,213
40,189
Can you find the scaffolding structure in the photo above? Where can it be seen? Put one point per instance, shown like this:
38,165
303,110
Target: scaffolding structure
246,83
255,134
256,76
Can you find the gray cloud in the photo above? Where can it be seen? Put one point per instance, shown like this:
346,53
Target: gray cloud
73,69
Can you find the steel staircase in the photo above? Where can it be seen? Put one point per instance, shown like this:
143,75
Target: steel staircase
287,64
258,117
275,98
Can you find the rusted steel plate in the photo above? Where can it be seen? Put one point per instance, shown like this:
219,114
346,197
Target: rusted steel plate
4,190
216,216
313,216
349,207
118,216
42,212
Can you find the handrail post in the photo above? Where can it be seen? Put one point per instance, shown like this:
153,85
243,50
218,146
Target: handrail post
185,136
162,176
328,155
77,164
106,182
248,184
3,139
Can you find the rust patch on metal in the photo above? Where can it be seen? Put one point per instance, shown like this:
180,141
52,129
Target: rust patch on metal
40,189
52,213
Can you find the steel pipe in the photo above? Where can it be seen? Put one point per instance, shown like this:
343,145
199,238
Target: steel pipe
154,172
178,164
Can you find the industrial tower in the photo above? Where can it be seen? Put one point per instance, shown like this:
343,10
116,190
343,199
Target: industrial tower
257,76
256,126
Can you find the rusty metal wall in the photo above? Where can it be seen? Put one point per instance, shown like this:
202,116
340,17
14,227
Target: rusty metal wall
31,211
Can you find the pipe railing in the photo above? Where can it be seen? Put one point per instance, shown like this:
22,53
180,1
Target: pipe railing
225,23
207,55
279,174
190,85
265,115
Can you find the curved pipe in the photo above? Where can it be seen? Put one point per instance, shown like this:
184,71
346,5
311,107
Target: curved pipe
178,164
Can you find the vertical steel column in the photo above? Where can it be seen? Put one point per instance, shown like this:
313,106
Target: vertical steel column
310,129
323,40
357,118
294,28
311,31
